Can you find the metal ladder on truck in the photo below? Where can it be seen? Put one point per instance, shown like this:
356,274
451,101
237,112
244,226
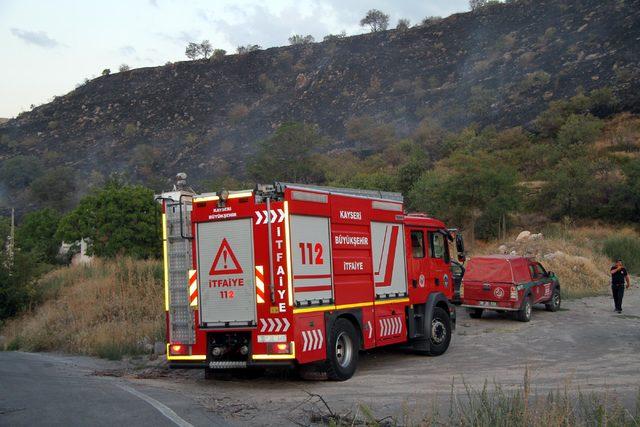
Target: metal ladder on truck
179,259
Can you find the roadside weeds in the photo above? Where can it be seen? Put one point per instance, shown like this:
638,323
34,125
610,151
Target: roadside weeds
492,406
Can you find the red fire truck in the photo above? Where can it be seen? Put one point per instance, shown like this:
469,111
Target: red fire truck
289,274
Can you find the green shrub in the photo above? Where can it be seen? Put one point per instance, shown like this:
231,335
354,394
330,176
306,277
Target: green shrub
130,129
580,130
626,248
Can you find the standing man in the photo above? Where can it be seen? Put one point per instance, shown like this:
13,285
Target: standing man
618,277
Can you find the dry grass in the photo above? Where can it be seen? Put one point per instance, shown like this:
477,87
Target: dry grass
524,407
494,405
573,253
621,134
106,309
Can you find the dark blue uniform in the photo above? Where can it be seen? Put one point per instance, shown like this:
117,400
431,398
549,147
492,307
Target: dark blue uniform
617,286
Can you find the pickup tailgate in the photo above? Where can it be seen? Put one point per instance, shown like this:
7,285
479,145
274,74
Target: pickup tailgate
498,292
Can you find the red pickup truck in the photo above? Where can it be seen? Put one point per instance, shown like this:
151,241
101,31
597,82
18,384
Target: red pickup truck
508,283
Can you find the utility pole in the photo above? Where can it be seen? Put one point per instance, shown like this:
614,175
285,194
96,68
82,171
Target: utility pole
12,237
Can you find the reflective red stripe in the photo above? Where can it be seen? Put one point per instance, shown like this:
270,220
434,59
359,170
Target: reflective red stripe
391,255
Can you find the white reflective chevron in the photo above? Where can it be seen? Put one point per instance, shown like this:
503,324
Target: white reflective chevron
312,340
370,328
390,326
278,324
274,215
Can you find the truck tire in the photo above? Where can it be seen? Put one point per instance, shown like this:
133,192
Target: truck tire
343,351
475,313
524,314
440,332
555,301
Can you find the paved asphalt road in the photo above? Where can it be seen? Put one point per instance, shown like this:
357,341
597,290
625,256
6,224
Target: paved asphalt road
42,389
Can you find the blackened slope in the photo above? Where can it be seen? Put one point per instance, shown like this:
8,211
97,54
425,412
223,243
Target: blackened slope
500,65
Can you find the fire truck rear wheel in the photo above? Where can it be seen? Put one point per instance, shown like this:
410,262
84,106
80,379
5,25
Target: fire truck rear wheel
440,332
342,351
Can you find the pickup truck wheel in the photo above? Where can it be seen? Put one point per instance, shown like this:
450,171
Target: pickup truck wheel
440,332
555,301
524,314
475,313
343,351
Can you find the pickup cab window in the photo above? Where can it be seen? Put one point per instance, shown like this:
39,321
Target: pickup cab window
540,270
537,271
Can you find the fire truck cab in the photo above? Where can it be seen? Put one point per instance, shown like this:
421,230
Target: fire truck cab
290,274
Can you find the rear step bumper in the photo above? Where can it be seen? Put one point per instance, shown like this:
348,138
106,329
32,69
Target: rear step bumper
485,307
227,364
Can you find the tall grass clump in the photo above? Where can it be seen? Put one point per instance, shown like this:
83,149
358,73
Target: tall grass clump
626,248
496,406
108,308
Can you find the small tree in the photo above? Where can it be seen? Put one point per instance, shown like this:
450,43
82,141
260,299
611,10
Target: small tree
376,20
55,188
288,154
476,4
106,72
192,51
403,24
118,220
300,39
205,49
18,172
333,37
248,48
123,68
36,235
579,130
430,20
219,53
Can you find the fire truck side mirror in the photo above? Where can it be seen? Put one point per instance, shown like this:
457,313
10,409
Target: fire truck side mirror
459,244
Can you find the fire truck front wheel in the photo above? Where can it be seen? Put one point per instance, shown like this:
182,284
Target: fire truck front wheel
342,351
440,335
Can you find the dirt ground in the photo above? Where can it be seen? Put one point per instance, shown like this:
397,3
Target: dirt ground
585,347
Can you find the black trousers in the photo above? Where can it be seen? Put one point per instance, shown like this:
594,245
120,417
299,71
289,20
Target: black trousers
618,294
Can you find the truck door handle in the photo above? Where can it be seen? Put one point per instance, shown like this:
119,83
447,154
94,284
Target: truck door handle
437,281
414,282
